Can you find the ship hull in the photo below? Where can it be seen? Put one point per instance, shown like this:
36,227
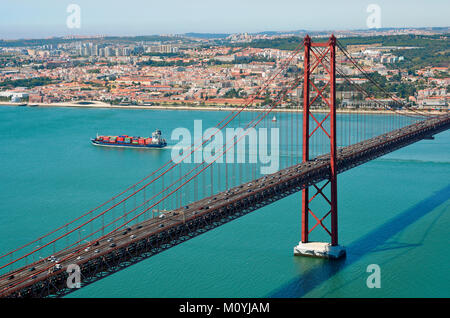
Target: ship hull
123,145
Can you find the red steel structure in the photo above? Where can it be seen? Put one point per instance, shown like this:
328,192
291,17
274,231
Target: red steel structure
326,51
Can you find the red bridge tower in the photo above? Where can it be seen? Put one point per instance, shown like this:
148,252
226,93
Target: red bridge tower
322,53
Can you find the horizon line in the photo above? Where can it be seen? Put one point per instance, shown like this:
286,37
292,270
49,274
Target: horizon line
223,33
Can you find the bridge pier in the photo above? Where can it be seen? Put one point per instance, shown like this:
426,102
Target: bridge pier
319,249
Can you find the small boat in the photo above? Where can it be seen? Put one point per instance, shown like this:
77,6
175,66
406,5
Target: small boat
126,141
274,119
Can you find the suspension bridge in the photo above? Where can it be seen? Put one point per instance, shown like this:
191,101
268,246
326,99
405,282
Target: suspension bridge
183,199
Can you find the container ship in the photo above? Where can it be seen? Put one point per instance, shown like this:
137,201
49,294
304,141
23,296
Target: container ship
133,142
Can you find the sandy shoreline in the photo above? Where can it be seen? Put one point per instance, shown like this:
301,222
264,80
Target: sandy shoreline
95,104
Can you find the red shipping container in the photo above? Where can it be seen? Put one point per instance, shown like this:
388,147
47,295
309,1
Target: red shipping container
141,141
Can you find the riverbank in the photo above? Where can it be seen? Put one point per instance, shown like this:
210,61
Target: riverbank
97,104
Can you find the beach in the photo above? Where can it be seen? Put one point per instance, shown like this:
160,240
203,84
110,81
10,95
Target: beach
98,104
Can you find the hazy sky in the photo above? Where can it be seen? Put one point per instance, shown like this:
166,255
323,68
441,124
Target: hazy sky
43,18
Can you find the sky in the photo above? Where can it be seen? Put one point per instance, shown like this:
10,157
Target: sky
45,18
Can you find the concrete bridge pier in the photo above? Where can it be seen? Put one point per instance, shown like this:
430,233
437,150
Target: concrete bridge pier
319,249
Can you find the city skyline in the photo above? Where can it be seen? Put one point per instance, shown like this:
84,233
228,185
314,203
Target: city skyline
27,19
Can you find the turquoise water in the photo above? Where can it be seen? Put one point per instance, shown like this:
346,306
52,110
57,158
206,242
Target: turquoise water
394,212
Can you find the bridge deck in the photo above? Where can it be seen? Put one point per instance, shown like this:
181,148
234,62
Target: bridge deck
157,234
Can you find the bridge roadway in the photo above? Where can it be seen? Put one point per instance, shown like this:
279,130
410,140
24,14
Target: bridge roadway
128,246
